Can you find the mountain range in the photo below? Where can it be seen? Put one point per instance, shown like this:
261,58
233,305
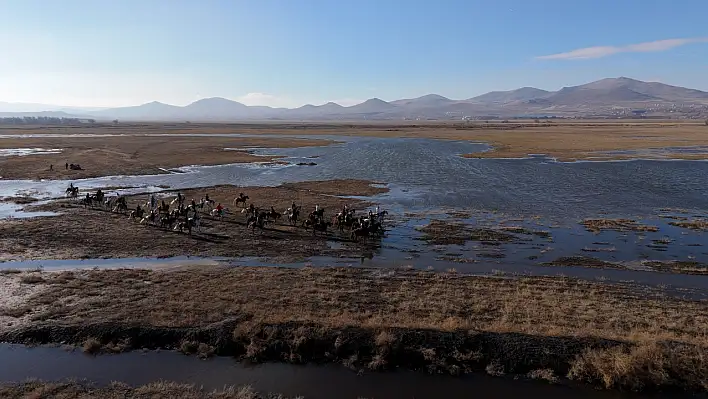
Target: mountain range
606,97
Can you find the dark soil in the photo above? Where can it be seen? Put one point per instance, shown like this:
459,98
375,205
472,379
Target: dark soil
80,232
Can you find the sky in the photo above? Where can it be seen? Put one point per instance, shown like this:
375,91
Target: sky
109,53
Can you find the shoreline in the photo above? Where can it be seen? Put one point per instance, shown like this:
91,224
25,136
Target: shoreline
373,319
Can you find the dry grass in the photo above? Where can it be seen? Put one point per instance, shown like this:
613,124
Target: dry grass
157,390
583,261
645,366
679,266
597,225
354,297
300,314
92,346
445,232
697,224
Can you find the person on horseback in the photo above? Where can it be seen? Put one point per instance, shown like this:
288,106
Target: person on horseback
206,198
194,205
153,201
220,210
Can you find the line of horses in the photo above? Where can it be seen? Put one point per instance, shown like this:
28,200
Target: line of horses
179,215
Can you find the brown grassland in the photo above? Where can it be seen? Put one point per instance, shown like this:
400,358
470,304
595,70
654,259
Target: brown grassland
81,232
613,335
135,155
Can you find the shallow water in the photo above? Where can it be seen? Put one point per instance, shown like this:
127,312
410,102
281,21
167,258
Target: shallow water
11,211
429,173
8,152
110,263
313,382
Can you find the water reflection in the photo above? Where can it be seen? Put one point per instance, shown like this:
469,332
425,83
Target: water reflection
313,382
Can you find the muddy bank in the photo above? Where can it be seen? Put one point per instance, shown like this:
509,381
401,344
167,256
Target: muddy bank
80,232
376,319
133,155
75,390
677,267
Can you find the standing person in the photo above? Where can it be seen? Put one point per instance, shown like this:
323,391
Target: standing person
51,167
66,166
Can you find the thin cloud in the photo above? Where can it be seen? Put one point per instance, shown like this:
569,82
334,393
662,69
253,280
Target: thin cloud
605,51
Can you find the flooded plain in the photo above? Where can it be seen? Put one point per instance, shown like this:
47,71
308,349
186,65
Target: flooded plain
428,181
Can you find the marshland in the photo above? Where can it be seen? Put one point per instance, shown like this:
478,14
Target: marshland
495,266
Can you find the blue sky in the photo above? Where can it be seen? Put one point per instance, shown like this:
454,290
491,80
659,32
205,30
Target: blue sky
292,52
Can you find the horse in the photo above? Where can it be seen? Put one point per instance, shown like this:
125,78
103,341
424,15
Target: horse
150,218
167,221
196,222
320,225
218,213
273,214
360,232
72,192
137,214
207,201
257,220
241,199
185,225
293,214
121,205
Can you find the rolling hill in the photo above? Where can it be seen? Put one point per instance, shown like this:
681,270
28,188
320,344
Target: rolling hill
589,99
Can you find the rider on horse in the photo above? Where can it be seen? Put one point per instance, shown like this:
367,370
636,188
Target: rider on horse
220,209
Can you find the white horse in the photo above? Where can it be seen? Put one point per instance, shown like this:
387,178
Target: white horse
215,213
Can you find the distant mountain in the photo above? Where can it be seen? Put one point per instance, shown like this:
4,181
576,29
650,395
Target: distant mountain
424,101
594,98
370,106
33,107
582,95
215,108
151,111
652,89
502,97
49,114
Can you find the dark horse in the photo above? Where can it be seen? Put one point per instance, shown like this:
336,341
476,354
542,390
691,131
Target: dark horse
72,191
241,199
